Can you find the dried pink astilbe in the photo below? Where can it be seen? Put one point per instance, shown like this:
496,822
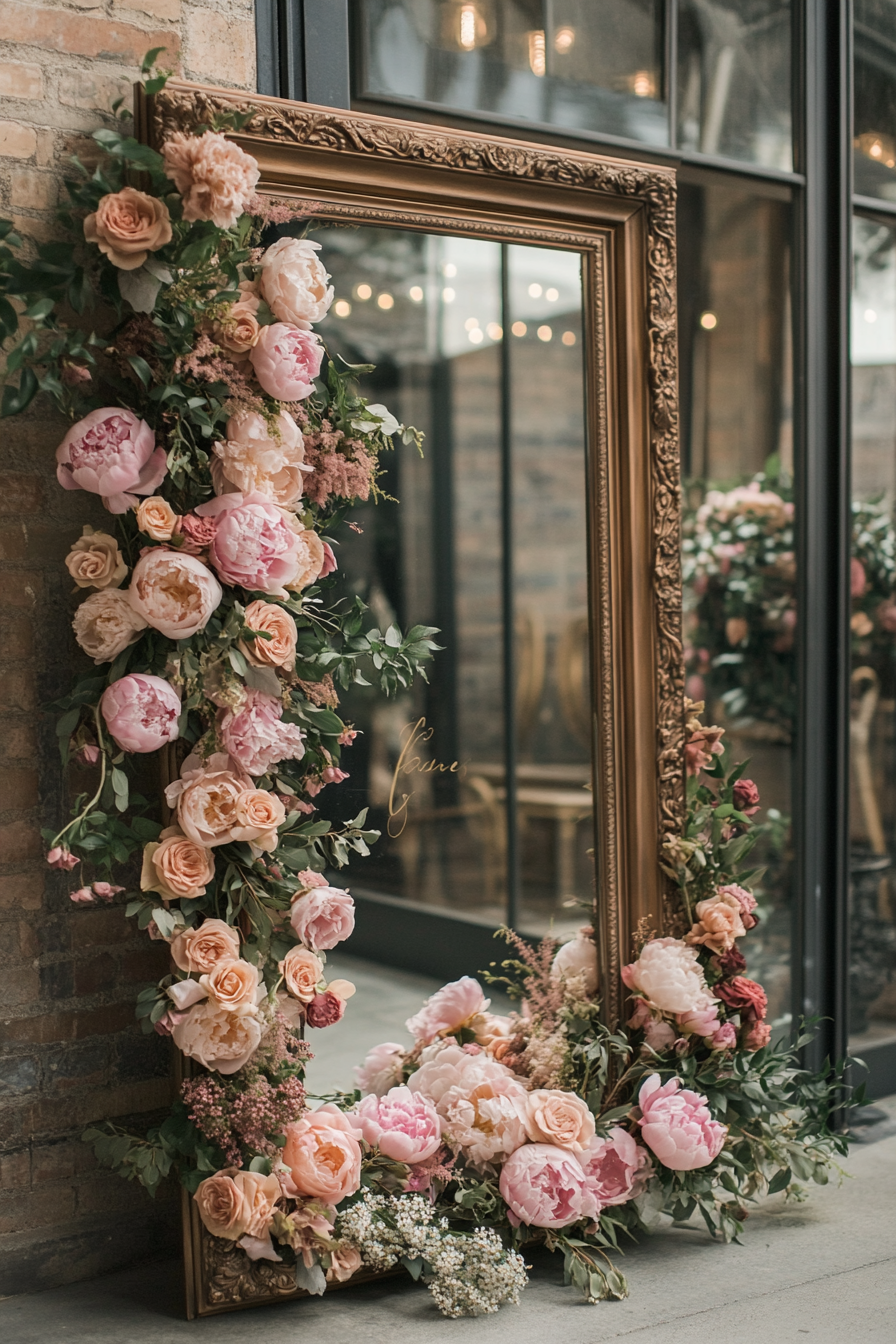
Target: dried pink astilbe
334,473
544,991
422,1176
206,364
271,211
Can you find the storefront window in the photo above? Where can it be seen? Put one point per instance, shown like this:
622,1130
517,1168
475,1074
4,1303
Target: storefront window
593,65
872,798
875,98
734,80
739,555
503,459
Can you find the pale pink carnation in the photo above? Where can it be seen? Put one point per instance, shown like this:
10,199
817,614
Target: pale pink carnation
256,736
254,546
381,1070
286,361
112,453
141,712
323,917
676,1125
215,178
448,1009
544,1186
198,533
402,1124
612,1165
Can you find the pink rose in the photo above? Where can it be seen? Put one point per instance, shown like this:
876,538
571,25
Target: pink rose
280,649
403,1125
743,996
197,533
381,1070
612,1164
174,593
543,1186
719,923
294,283
176,867
579,958
345,1261
757,1036
746,797
233,985
746,902
233,1204
62,859
323,917
448,1009
325,1009
557,1117
106,891
725,1038
256,736
83,896
677,1126
214,176
286,361
254,545
323,1155
111,452
141,712
302,972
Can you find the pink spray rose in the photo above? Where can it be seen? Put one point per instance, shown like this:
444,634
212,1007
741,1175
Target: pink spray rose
256,736
174,593
83,896
677,1126
725,1038
449,1008
111,452
286,361
544,1186
294,283
402,1124
215,177
323,917
141,712
323,1155
746,797
381,1070
254,545
63,859
611,1165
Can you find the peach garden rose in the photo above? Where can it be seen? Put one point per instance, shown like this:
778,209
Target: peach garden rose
199,950
95,560
217,1038
233,985
176,867
127,225
175,594
558,1117
280,649
302,972
206,798
156,518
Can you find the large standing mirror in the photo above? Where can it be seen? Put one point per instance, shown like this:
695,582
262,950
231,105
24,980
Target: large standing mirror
518,304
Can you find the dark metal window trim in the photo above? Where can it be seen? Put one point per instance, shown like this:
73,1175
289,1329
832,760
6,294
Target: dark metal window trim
302,50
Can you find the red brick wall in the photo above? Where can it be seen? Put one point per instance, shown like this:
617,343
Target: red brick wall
70,1052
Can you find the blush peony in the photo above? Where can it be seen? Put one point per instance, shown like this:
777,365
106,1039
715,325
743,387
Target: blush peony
218,1039
323,917
112,453
254,545
280,649
215,177
176,867
106,623
579,957
557,1117
174,593
286,361
544,1186
207,800
263,457
612,1165
309,561
141,712
256,736
448,1009
676,1125
199,950
403,1125
381,1070
95,561
127,225
447,1065
294,282
670,977
323,1155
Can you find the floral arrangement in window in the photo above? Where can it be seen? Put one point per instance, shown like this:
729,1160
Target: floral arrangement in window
227,448
740,596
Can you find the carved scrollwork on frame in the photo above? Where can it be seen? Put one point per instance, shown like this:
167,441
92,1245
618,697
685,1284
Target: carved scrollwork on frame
231,1279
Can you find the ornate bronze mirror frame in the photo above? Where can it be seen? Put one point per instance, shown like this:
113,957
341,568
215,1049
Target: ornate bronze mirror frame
620,217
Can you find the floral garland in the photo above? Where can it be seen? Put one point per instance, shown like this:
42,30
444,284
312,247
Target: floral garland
228,461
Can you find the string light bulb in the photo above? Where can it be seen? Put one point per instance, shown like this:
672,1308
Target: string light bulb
564,40
537,52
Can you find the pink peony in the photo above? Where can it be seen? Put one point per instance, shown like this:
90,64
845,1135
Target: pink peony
286,361
381,1070
323,917
323,1155
403,1125
544,1186
176,594
578,958
330,565
677,1126
262,456
294,282
448,1009
215,177
611,1165
256,736
254,545
485,1113
446,1065
111,452
141,712
62,858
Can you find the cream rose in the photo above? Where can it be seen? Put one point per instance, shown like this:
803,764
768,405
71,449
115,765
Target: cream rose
175,594
176,867
238,331
302,972
280,649
294,282
234,1204
233,985
218,1039
560,1118
310,559
95,561
106,623
203,948
156,518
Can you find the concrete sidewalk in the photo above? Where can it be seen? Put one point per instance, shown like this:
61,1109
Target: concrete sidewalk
823,1271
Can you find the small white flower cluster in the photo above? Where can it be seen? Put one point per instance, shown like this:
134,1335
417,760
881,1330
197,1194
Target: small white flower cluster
467,1273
